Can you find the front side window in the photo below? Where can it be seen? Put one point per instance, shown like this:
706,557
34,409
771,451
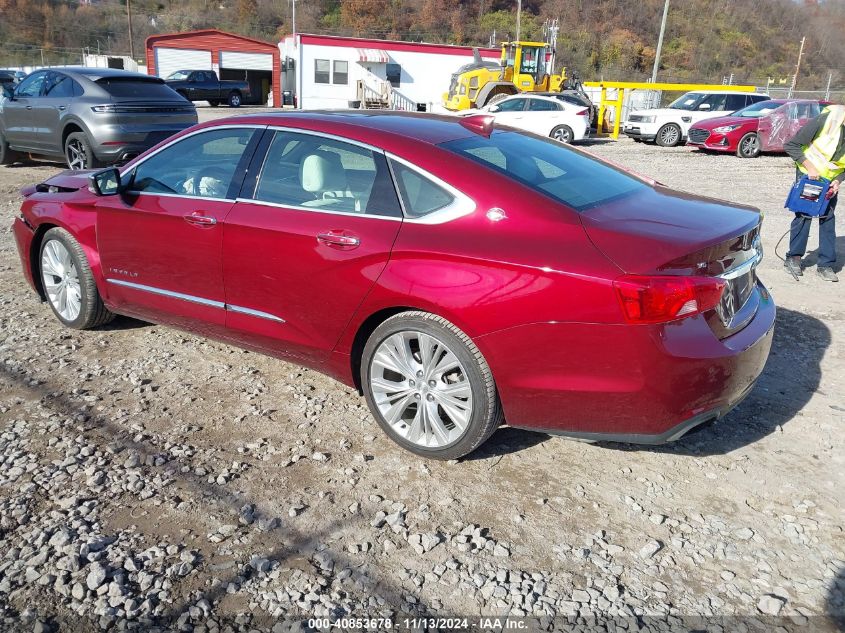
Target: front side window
715,101
322,69
560,172
511,105
420,196
341,72
32,85
313,172
202,165
530,60
689,101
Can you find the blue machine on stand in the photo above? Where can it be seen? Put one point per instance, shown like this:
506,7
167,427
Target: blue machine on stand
809,197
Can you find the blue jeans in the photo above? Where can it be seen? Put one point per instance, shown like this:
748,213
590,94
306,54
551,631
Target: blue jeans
799,232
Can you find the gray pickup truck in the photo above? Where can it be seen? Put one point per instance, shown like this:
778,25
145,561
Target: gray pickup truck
204,85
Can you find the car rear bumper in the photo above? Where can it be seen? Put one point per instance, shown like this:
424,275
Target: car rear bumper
642,384
24,235
123,142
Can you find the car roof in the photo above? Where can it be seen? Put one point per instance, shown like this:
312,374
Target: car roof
391,126
102,73
727,92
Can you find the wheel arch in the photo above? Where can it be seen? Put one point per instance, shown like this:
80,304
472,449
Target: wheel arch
365,329
83,237
71,127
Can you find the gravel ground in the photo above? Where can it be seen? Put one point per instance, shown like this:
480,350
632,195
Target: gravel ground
152,476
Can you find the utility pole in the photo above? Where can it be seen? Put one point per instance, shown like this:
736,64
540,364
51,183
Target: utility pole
129,23
518,17
797,68
293,19
660,42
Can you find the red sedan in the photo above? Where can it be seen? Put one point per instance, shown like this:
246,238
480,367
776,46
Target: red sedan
457,274
761,127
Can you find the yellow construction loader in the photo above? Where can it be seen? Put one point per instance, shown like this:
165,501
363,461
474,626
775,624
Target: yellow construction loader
524,67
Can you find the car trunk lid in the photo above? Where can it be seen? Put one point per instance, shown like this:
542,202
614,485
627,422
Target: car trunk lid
682,234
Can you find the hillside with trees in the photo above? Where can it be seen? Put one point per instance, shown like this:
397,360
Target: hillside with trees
706,40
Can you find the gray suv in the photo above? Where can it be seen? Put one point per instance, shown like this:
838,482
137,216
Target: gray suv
89,116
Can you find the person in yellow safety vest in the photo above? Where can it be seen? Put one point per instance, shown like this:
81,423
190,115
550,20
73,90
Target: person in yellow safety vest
818,150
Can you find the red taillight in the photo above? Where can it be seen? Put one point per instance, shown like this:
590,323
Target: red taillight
584,112
647,299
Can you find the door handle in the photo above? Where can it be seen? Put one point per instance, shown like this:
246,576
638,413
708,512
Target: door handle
29,107
198,219
61,107
335,238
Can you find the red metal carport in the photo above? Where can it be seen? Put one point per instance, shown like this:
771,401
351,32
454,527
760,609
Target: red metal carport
227,54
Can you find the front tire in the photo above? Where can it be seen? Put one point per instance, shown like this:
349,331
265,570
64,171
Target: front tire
78,152
668,135
428,386
69,283
234,100
749,146
563,133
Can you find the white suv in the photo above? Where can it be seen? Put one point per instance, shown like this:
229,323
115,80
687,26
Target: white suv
668,126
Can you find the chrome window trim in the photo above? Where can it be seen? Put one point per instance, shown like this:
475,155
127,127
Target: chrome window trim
180,195
194,299
255,313
292,207
230,126
168,293
333,137
461,206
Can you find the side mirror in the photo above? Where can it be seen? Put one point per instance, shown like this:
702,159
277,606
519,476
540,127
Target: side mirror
105,182
494,108
704,106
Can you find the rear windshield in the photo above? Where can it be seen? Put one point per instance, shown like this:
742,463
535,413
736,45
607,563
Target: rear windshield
549,167
141,88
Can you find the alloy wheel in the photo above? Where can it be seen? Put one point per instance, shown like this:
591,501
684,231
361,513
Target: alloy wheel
61,280
669,135
421,389
76,156
564,135
750,145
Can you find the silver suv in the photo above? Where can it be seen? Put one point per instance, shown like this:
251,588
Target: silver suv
89,116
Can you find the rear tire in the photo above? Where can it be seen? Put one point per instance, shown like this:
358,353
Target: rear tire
78,152
7,155
563,133
668,136
234,100
749,146
69,283
214,103
428,386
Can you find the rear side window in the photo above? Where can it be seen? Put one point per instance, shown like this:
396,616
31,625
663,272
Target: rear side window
420,196
314,172
550,168
542,105
202,165
137,88
735,102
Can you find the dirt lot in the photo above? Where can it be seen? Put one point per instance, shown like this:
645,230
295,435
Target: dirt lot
147,473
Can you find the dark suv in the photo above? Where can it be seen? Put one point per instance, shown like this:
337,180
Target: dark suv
89,116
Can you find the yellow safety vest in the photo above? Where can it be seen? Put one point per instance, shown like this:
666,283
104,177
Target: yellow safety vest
820,152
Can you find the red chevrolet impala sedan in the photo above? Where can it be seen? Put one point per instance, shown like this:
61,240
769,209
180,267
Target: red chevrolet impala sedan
458,274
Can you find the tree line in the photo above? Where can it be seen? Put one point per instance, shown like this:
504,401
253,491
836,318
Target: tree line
706,40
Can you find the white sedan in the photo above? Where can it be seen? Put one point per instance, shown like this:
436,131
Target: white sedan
547,116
